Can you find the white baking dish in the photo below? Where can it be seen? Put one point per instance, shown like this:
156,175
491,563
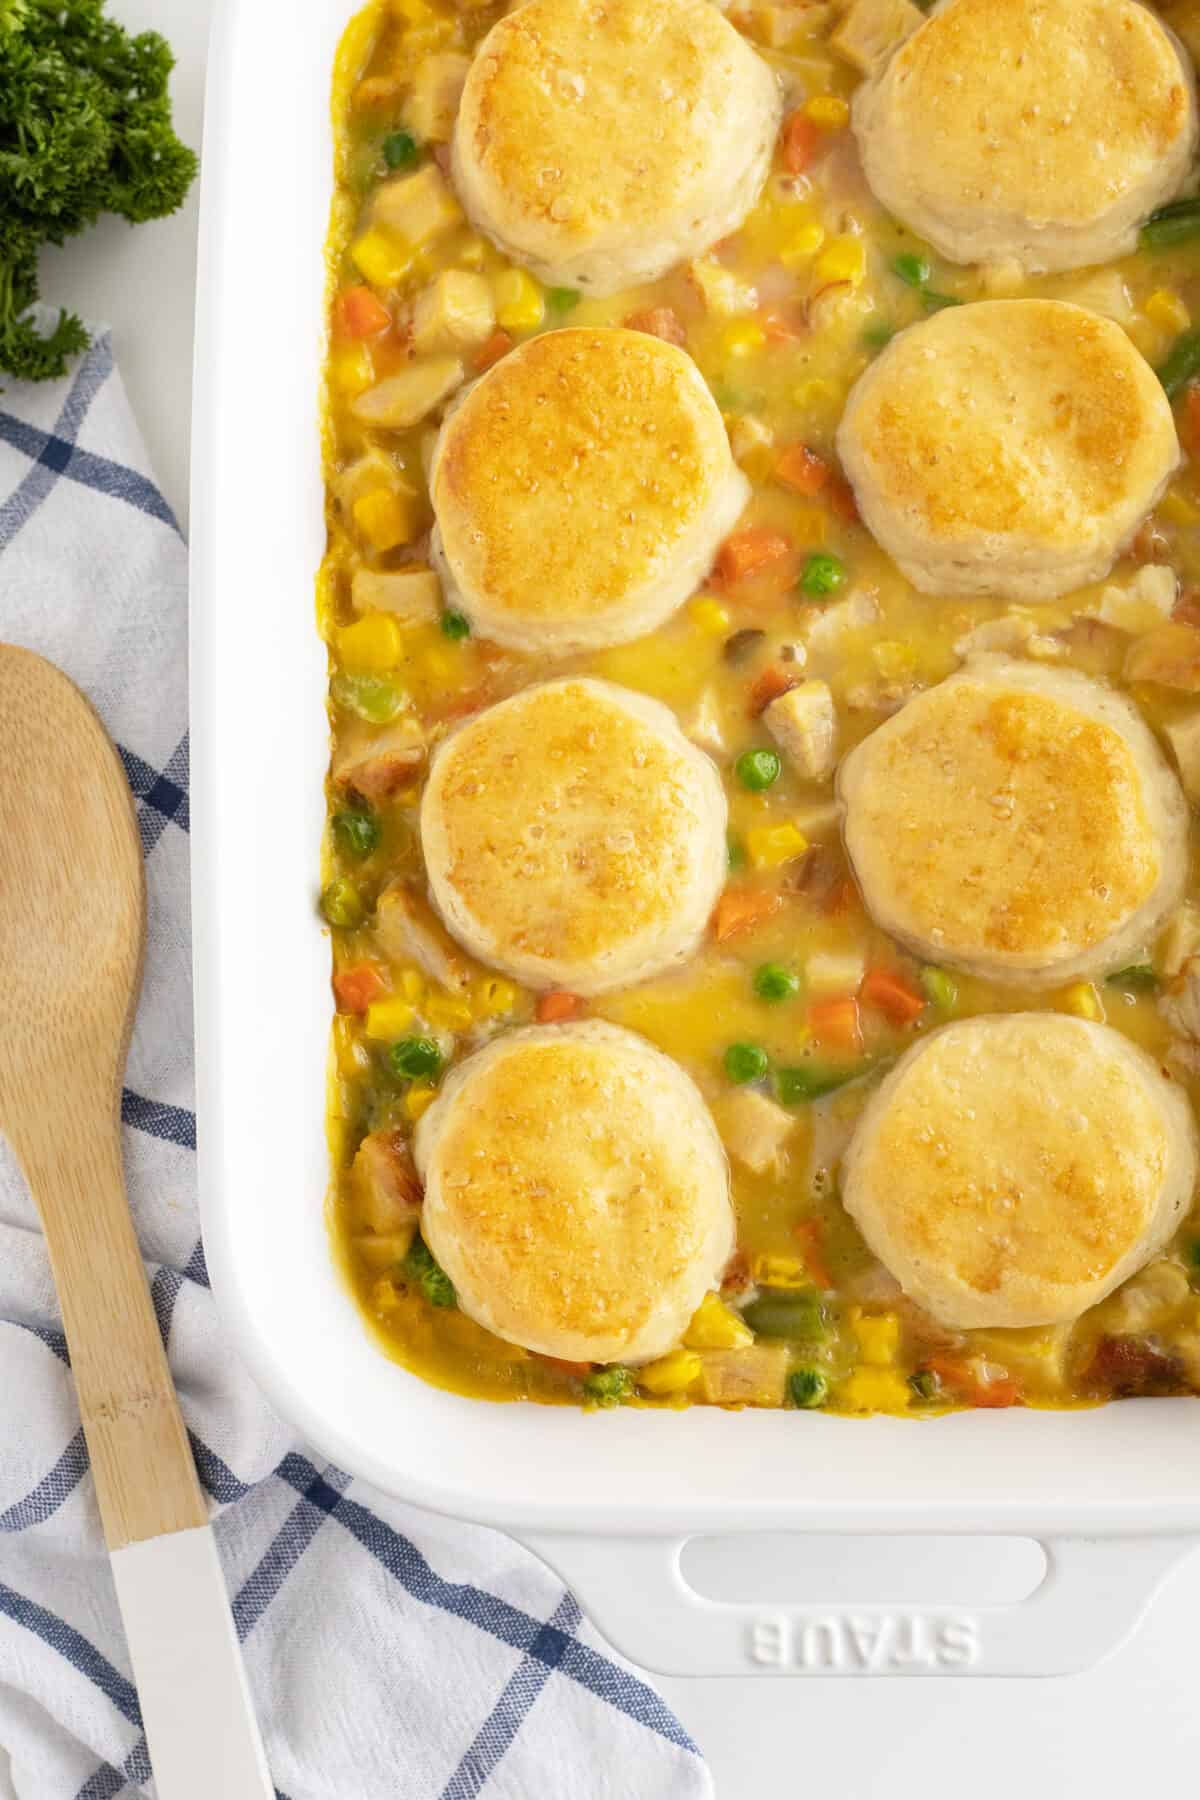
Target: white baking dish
608,1499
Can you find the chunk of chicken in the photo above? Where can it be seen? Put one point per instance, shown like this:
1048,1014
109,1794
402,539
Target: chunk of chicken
755,1376
803,723
1180,1006
413,596
410,931
724,294
1138,605
386,1183
1183,735
1180,940
376,763
1169,656
872,29
753,1128
1149,1299
456,311
406,398
702,724
432,103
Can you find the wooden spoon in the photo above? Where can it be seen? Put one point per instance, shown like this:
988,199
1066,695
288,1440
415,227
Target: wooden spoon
72,928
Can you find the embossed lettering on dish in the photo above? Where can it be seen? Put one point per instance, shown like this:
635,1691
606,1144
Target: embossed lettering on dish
863,1643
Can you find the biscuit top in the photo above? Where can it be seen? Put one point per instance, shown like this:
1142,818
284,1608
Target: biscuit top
572,822
576,1191
1034,419
596,121
567,478
1050,110
1003,821
1015,1155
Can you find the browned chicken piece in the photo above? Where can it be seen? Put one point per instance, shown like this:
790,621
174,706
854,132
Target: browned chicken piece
1127,1367
410,931
376,763
752,1376
389,1193
660,322
1169,656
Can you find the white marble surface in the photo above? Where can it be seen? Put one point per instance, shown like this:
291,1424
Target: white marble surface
1130,1726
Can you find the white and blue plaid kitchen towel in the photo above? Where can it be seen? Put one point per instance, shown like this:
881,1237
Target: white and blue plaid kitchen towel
393,1655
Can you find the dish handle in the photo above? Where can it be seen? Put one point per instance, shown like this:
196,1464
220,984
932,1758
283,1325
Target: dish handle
1093,1594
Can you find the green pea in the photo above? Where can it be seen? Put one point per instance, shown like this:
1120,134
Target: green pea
1142,976
803,1082
807,1388
913,271
773,983
608,1387
421,1268
876,337
793,1316
414,1057
1176,223
746,1062
562,300
357,833
342,904
939,987
924,1384
455,625
758,769
370,697
823,575
400,150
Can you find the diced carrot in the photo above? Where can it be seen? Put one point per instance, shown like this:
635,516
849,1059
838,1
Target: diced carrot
802,470
773,681
660,322
740,909
1191,417
890,994
800,142
360,315
967,1386
489,352
841,501
576,1369
810,1234
748,552
357,985
835,1022
557,1007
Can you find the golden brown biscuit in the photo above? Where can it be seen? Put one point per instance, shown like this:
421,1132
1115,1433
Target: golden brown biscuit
1010,447
581,490
573,837
601,141
1017,821
576,1192
1015,1169
1040,131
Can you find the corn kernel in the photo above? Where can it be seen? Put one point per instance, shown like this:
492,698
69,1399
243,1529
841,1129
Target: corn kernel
742,338
1177,508
384,518
385,1295
384,260
412,985
716,1326
769,846
447,1012
829,111
808,525
842,259
418,1100
670,1374
893,658
350,370
1082,999
494,997
780,1272
875,1390
372,645
1166,308
710,616
805,236
439,663
816,395
877,1336
388,1019
519,303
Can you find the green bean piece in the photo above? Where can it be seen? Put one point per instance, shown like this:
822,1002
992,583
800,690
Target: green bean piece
1182,364
1143,976
924,1384
400,150
1176,223
422,1269
415,1059
912,270
798,1317
608,1387
803,1082
932,301
939,987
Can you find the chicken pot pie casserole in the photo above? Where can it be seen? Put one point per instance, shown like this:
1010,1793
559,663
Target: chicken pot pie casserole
762,596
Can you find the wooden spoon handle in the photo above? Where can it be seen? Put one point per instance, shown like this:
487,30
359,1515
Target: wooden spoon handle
141,1460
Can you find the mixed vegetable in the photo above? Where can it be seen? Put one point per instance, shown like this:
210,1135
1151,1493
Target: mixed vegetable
803,639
